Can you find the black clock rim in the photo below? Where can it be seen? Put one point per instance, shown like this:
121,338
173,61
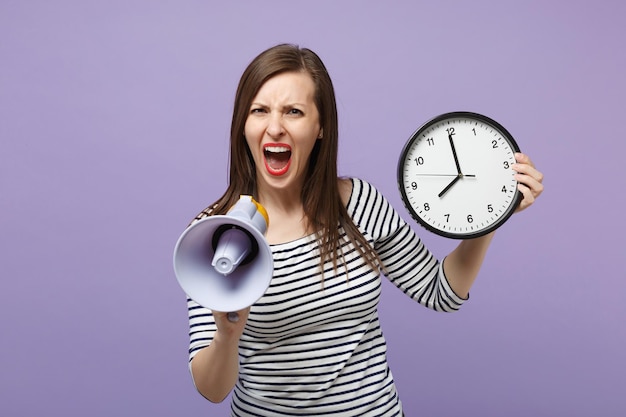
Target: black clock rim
407,146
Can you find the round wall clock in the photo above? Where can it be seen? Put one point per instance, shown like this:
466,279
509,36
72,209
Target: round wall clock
455,175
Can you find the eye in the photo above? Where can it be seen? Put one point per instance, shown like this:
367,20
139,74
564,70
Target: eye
295,112
257,110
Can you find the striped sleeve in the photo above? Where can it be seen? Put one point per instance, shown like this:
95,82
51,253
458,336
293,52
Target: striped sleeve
408,263
202,327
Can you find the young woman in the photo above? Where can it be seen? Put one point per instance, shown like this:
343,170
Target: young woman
312,345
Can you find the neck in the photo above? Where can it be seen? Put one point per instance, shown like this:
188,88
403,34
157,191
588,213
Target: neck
283,199
286,214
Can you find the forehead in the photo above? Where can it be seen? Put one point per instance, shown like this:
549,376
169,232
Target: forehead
288,86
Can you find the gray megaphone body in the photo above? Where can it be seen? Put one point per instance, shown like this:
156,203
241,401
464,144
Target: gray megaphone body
223,262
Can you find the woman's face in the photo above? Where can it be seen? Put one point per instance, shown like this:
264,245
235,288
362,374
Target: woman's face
281,129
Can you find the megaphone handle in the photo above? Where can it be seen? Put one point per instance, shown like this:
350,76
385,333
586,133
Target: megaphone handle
233,317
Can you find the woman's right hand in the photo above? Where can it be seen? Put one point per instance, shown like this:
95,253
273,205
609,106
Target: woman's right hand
231,329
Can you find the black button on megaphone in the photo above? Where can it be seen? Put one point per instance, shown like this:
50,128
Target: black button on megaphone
224,262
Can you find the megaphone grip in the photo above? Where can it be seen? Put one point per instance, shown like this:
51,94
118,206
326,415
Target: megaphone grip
232,248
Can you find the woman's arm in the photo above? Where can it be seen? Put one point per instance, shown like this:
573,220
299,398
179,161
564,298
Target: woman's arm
461,266
215,368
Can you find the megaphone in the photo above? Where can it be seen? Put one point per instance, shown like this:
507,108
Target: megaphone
223,262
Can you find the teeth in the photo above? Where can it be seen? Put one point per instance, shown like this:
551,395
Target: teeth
276,149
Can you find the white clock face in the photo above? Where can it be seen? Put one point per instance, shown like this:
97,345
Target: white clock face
455,175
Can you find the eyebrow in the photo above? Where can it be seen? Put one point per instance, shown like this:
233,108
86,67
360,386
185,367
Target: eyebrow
295,104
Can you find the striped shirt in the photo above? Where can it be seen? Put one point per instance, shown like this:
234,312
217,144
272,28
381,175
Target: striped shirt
315,348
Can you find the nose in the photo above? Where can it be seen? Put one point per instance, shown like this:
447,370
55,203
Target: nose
275,128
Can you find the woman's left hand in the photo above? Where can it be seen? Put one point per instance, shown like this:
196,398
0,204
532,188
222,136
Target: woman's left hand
530,180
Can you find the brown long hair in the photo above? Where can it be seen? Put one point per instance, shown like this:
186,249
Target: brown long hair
321,199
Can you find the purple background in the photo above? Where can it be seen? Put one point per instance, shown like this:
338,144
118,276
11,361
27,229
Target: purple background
114,119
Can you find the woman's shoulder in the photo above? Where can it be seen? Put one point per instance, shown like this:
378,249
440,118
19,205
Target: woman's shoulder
357,192
345,186
371,211
349,186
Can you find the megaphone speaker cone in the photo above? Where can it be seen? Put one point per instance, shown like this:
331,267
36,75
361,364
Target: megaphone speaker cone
230,274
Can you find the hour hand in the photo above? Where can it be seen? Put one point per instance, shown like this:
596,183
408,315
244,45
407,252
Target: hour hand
445,190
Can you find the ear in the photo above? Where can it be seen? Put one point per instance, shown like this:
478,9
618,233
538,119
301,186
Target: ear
321,134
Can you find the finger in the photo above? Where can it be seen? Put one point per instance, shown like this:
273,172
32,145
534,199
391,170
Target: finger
526,166
529,171
522,158
531,183
527,197
233,317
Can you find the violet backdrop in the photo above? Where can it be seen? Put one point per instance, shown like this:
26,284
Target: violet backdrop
114,120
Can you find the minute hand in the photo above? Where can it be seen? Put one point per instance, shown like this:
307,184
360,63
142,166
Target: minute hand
456,158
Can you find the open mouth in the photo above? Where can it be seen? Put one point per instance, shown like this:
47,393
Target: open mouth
277,158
